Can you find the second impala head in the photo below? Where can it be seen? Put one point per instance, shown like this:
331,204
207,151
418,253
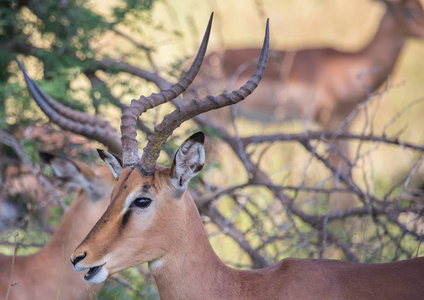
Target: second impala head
144,219
408,16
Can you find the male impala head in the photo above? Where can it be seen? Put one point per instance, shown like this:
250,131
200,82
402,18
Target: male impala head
409,16
148,202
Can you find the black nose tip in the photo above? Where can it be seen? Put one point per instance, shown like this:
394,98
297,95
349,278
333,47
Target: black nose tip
78,258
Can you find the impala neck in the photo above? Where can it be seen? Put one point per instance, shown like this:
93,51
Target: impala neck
74,227
192,270
381,54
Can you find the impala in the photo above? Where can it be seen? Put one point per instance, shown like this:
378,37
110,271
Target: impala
323,85
47,274
153,218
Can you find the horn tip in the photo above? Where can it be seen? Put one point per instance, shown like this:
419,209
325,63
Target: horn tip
265,46
208,30
21,65
267,29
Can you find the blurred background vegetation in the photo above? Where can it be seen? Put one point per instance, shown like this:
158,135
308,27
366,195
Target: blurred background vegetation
74,48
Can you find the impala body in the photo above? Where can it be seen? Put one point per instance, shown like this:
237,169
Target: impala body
321,84
152,218
47,274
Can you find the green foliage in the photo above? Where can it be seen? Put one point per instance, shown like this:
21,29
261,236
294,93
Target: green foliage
62,35
211,132
131,7
115,290
56,213
31,151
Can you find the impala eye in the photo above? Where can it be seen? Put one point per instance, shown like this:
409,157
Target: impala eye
141,202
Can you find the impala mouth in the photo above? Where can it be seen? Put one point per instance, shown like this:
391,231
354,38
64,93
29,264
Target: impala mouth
96,274
92,272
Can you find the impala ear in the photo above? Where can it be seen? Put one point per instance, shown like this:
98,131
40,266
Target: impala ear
68,170
188,160
62,166
112,161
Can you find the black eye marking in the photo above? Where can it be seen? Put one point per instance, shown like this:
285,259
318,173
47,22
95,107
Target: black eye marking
126,218
141,202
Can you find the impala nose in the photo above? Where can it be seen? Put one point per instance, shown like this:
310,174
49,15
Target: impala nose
78,258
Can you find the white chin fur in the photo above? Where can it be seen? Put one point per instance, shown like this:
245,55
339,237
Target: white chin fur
156,264
100,277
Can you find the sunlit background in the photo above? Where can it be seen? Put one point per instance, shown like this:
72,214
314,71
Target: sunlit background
174,30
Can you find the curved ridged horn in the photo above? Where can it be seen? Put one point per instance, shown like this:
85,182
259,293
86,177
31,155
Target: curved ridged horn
92,127
141,105
195,107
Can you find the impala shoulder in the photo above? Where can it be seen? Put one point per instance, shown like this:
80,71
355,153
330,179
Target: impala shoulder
293,263
305,270
302,278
